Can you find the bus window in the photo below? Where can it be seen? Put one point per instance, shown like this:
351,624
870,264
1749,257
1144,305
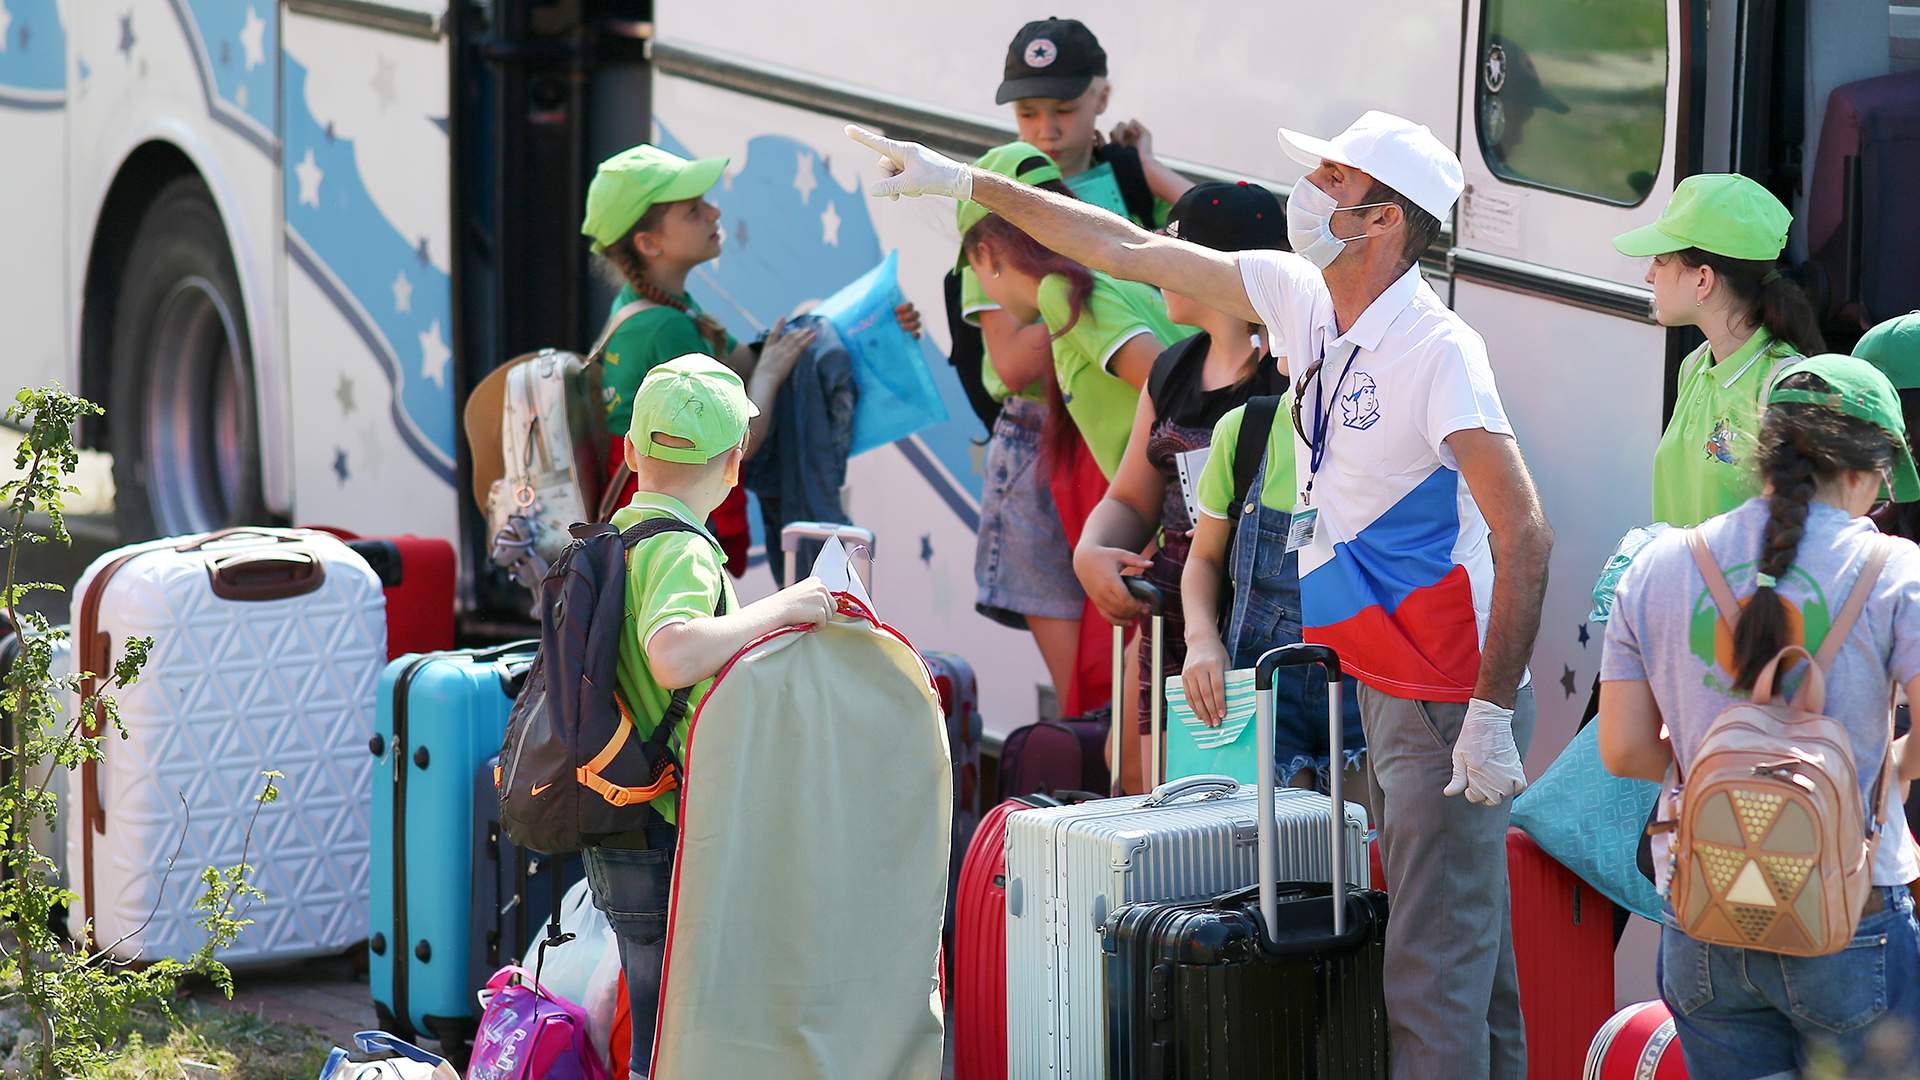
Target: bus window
1572,95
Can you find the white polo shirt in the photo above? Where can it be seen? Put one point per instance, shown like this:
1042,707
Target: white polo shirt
1399,576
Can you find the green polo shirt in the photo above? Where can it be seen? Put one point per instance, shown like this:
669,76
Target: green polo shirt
1703,465
644,342
1277,492
973,301
671,578
1100,403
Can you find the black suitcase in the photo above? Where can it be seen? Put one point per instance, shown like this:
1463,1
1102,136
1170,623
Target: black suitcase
514,890
1280,980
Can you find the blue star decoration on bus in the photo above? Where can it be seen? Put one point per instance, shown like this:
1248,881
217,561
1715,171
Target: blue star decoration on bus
1584,636
1566,680
340,466
926,548
126,36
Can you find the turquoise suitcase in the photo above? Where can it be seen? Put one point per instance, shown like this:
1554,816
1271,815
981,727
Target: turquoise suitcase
440,717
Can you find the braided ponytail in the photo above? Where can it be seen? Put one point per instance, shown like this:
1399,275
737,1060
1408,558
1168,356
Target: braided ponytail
1800,446
624,259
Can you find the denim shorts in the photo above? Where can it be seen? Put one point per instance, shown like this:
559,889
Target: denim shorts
1745,1013
631,885
1021,561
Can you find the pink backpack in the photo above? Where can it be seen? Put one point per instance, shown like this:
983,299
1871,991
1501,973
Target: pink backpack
527,1033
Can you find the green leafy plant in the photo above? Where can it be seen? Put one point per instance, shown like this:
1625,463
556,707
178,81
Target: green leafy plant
79,1000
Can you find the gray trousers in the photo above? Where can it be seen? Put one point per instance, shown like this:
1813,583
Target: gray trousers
1453,997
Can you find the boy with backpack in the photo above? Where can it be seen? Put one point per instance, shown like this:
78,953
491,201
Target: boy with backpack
681,625
1056,79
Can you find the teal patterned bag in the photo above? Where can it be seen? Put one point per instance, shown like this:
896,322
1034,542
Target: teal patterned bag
1194,749
1591,820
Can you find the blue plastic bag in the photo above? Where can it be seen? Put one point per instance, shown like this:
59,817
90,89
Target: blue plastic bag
385,1057
897,395
1591,820
1616,567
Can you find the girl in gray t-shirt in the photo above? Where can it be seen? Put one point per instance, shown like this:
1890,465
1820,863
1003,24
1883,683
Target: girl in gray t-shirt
1793,555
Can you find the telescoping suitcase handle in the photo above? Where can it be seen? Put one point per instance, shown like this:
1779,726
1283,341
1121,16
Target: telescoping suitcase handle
859,543
1147,593
1298,655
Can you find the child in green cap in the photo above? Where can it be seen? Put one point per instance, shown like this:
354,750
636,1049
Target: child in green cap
651,224
690,423
1893,346
1831,443
1713,251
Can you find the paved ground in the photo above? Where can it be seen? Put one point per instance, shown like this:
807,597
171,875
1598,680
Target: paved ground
325,995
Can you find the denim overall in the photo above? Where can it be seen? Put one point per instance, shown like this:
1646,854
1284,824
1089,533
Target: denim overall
1265,615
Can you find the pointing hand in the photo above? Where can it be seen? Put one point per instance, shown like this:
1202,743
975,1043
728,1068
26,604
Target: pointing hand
912,169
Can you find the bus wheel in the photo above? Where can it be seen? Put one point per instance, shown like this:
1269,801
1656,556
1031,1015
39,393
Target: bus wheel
182,416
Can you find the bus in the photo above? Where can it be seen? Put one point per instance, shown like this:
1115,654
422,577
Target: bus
280,239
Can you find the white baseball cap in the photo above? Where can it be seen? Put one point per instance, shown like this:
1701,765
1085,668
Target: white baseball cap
1399,153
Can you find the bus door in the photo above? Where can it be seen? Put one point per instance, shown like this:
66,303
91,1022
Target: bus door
1574,124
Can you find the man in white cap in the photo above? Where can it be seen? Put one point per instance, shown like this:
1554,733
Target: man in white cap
1411,489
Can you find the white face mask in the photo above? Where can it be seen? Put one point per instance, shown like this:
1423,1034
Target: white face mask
1309,216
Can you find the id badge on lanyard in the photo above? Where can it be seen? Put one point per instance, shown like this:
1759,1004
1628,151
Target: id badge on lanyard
1306,516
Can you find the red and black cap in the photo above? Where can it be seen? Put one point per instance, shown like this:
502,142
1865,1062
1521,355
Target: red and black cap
1051,58
1229,217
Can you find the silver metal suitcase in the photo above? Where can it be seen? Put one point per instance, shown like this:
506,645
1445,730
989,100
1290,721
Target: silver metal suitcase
1068,867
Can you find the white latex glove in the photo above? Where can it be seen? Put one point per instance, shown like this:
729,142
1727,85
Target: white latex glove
1486,763
913,169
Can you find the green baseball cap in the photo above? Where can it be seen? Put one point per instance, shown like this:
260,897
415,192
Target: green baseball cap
1862,392
631,182
1724,213
1020,161
693,397
1894,348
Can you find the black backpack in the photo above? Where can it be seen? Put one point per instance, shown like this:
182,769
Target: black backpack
573,769
1135,192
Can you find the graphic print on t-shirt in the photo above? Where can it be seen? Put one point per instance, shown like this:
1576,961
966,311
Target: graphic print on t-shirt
1711,642
1398,575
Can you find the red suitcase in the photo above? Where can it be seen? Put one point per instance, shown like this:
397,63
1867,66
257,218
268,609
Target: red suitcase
417,574
1637,1044
979,981
1563,945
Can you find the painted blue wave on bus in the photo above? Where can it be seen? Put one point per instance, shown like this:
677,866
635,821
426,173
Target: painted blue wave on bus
381,280
793,234
240,39
33,54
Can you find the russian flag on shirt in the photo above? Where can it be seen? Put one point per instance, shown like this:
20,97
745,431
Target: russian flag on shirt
1396,601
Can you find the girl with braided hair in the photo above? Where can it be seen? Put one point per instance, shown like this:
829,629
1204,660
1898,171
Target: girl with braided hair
651,225
1831,446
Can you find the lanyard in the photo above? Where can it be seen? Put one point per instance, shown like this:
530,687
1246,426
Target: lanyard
1323,418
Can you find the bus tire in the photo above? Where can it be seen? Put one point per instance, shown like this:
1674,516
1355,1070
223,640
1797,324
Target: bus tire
183,418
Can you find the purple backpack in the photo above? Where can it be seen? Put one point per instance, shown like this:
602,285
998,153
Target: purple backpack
527,1033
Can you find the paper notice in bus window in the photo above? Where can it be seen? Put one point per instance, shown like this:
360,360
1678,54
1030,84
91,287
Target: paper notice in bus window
1189,466
1492,220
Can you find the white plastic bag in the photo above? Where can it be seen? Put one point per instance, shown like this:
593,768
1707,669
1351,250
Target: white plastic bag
586,969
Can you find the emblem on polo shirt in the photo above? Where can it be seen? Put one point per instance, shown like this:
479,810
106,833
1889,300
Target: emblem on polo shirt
1040,53
1720,444
1360,405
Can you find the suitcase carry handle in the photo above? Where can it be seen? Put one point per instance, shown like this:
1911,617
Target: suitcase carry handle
272,574
859,542
1213,784
278,536
1298,655
1148,593
1357,932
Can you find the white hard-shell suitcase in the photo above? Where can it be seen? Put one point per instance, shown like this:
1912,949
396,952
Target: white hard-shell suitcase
1069,867
268,645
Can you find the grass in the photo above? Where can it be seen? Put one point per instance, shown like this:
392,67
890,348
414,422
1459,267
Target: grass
206,1042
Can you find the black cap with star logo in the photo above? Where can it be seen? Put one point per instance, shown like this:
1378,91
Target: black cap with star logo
1051,58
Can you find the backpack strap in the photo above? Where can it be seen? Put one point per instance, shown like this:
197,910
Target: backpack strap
657,745
614,323
1723,598
1842,624
1131,176
1250,449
